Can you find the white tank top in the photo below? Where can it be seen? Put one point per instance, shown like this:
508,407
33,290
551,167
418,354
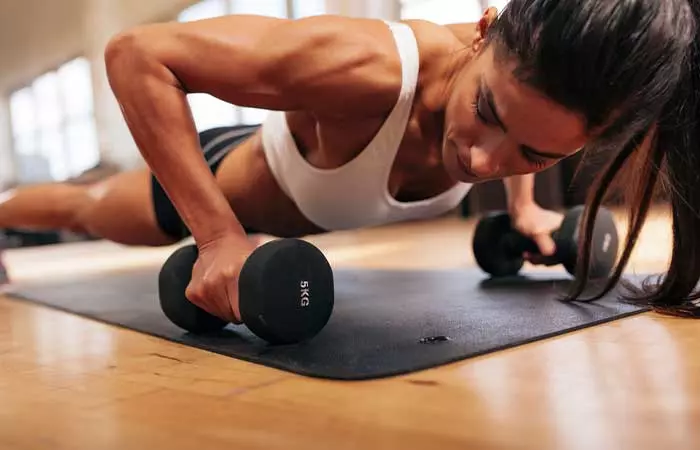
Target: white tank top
356,194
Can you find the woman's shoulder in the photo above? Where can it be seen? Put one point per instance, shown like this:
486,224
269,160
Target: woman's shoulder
436,40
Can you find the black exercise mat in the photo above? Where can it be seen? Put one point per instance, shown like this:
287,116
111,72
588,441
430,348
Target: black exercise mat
384,323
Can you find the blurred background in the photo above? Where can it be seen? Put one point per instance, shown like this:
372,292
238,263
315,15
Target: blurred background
59,120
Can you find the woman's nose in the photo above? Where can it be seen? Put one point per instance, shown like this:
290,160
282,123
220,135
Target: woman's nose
483,162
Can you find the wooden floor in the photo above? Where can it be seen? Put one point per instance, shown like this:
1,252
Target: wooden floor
70,383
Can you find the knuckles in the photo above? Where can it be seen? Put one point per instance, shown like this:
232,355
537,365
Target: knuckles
210,285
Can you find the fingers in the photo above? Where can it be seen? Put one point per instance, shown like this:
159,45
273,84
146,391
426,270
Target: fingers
539,260
199,296
545,243
214,283
547,249
232,301
213,297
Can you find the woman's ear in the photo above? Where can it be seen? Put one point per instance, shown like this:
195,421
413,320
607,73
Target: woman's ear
482,28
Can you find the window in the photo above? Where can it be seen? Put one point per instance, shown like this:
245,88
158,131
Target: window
307,8
442,11
448,11
209,111
498,4
53,125
203,10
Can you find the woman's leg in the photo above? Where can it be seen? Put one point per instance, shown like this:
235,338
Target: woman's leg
133,209
129,207
119,208
42,207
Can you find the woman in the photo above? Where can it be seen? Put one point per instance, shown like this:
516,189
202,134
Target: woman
377,122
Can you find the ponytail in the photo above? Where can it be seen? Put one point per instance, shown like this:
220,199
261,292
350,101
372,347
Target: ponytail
670,161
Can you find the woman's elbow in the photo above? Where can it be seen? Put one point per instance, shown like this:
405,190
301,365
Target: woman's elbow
126,53
120,47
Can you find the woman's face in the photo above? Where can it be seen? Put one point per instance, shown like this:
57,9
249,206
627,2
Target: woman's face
497,127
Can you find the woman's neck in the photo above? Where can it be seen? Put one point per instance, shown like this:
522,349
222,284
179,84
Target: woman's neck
434,89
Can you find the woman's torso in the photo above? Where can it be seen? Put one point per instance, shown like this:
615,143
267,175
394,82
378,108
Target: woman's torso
416,172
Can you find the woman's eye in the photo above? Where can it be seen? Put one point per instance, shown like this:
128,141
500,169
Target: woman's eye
534,160
482,110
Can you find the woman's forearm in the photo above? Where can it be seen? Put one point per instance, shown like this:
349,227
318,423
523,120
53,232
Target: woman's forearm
157,113
520,191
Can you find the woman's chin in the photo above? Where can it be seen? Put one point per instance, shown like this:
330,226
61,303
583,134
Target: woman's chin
470,179
458,175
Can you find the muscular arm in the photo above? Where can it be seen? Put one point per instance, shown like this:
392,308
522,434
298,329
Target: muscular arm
324,65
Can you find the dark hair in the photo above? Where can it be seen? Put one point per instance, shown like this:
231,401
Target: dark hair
631,69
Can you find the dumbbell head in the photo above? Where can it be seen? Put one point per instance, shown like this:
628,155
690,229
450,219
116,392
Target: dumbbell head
173,279
286,291
604,244
498,248
489,248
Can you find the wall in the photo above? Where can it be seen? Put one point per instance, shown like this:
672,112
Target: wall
39,35
379,9
36,36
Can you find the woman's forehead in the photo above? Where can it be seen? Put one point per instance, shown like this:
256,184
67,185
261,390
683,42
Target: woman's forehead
529,116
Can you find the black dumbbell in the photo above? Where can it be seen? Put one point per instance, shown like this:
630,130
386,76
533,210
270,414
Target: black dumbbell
285,292
498,248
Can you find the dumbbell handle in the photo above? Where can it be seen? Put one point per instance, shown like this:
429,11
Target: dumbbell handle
515,244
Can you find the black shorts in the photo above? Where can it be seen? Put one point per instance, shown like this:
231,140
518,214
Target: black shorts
216,143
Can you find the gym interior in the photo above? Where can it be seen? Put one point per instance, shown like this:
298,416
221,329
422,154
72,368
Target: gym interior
433,341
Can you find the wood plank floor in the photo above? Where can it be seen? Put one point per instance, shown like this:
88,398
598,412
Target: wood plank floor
71,383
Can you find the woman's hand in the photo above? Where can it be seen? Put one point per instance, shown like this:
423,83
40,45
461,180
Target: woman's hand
214,284
538,224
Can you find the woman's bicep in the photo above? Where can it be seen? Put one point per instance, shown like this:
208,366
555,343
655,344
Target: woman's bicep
219,56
